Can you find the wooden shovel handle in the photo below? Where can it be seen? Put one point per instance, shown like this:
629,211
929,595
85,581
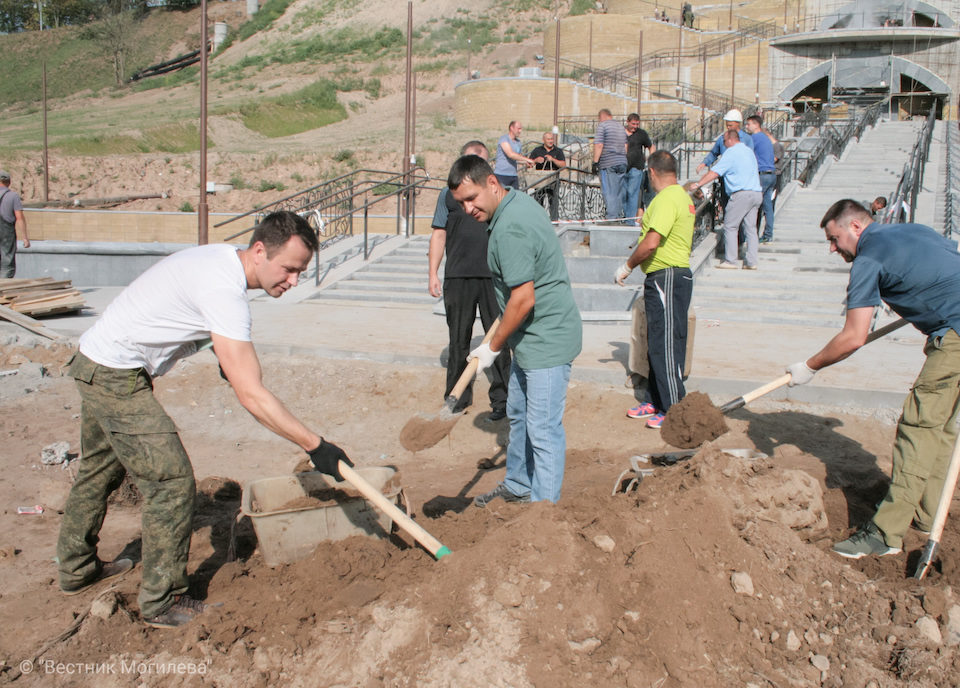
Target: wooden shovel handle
430,543
929,551
470,371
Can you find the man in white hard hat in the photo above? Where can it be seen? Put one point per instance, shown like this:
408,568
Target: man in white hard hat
733,121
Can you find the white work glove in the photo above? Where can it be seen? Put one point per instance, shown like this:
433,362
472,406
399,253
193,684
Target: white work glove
485,357
623,272
800,374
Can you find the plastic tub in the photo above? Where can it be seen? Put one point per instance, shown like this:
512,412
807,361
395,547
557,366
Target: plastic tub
287,534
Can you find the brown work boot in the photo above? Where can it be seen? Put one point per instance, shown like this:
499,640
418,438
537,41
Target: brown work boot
183,610
109,569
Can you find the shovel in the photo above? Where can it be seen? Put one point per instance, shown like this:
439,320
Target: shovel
940,519
423,431
687,425
784,379
430,543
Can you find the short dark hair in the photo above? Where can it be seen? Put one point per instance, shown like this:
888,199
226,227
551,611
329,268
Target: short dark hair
732,133
881,200
663,162
512,122
633,116
843,211
756,119
471,167
277,228
473,144
606,112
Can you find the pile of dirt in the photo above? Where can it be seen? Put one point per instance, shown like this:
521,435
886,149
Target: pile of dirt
713,573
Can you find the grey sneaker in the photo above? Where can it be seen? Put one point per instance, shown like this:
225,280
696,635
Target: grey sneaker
109,569
499,491
866,541
183,610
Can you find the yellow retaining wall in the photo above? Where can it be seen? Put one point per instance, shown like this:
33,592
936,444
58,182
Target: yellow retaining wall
494,103
176,228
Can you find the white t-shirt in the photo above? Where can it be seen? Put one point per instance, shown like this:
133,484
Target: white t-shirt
169,311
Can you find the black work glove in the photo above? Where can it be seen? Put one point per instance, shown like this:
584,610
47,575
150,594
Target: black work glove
596,168
326,456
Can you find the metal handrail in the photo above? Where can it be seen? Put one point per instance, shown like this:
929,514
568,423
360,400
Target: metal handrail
912,178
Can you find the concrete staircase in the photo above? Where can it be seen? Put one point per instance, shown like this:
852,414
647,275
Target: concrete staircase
799,282
400,276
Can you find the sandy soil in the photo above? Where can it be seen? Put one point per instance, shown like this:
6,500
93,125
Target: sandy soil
715,571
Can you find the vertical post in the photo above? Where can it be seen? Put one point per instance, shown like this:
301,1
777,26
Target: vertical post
469,73
703,93
46,156
411,192
556,75
405,167
730,17
640,74
785,15
202,231
756,93
798,15
679,50
733,75
590,48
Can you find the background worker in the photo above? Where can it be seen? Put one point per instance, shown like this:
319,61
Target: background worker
767,169
467,288
638,145
192,299
663,252
540,324
11,215
915,271
610,161
508,156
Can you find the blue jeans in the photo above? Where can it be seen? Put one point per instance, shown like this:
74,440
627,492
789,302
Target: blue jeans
537,451
768,183
632,183
611,179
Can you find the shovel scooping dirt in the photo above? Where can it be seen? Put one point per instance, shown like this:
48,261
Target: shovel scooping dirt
695,420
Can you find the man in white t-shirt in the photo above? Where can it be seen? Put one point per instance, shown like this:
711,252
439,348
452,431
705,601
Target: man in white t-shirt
188,301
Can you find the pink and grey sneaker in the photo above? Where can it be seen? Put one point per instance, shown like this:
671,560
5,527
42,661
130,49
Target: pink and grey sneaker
655,421
644,410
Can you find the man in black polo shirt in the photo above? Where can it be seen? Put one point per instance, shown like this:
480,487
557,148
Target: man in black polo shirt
467,286
638,145
548,157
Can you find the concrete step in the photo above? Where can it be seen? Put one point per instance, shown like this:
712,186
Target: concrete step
381,296
771,318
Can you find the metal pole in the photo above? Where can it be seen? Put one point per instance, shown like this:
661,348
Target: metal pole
46,155
412,193
703,94
556,75
730,17
798,16
590,48
756,93
785,15
640,74
469,73
405,167
202,233
733,75
679,50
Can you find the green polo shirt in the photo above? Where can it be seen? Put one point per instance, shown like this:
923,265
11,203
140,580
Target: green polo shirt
671,215
523,247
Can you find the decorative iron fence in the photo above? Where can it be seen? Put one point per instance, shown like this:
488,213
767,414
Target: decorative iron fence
902,204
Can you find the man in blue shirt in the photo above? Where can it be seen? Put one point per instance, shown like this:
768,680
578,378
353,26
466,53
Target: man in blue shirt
732,120
610,161
916,272
738,167
508,155
763,149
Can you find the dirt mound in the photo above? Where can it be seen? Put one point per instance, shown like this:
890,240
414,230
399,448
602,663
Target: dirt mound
714,573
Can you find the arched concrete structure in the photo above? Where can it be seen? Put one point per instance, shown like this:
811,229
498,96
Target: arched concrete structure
867,14
894,69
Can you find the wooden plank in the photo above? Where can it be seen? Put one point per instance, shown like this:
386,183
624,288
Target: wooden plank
27,323
14,282
47,286
63,294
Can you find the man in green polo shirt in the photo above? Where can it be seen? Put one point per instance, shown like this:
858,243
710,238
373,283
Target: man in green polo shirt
663,252
528,268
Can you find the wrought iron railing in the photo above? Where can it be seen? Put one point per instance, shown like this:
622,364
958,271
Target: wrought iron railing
902,204
951,199
332,206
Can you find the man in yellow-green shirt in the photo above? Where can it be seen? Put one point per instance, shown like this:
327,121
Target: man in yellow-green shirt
663,253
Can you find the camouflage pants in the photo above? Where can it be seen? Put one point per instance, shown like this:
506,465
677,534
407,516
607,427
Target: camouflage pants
925,437
124,429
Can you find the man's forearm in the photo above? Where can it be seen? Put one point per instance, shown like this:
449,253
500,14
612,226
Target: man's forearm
438,242
272,414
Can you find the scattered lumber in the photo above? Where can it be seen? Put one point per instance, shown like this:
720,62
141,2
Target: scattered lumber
43,296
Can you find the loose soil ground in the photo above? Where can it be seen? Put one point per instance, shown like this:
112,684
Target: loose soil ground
622,590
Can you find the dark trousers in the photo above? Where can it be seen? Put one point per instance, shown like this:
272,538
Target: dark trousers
666,299
462,296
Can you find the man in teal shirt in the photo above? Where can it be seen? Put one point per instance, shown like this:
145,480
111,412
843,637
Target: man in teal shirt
528,268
